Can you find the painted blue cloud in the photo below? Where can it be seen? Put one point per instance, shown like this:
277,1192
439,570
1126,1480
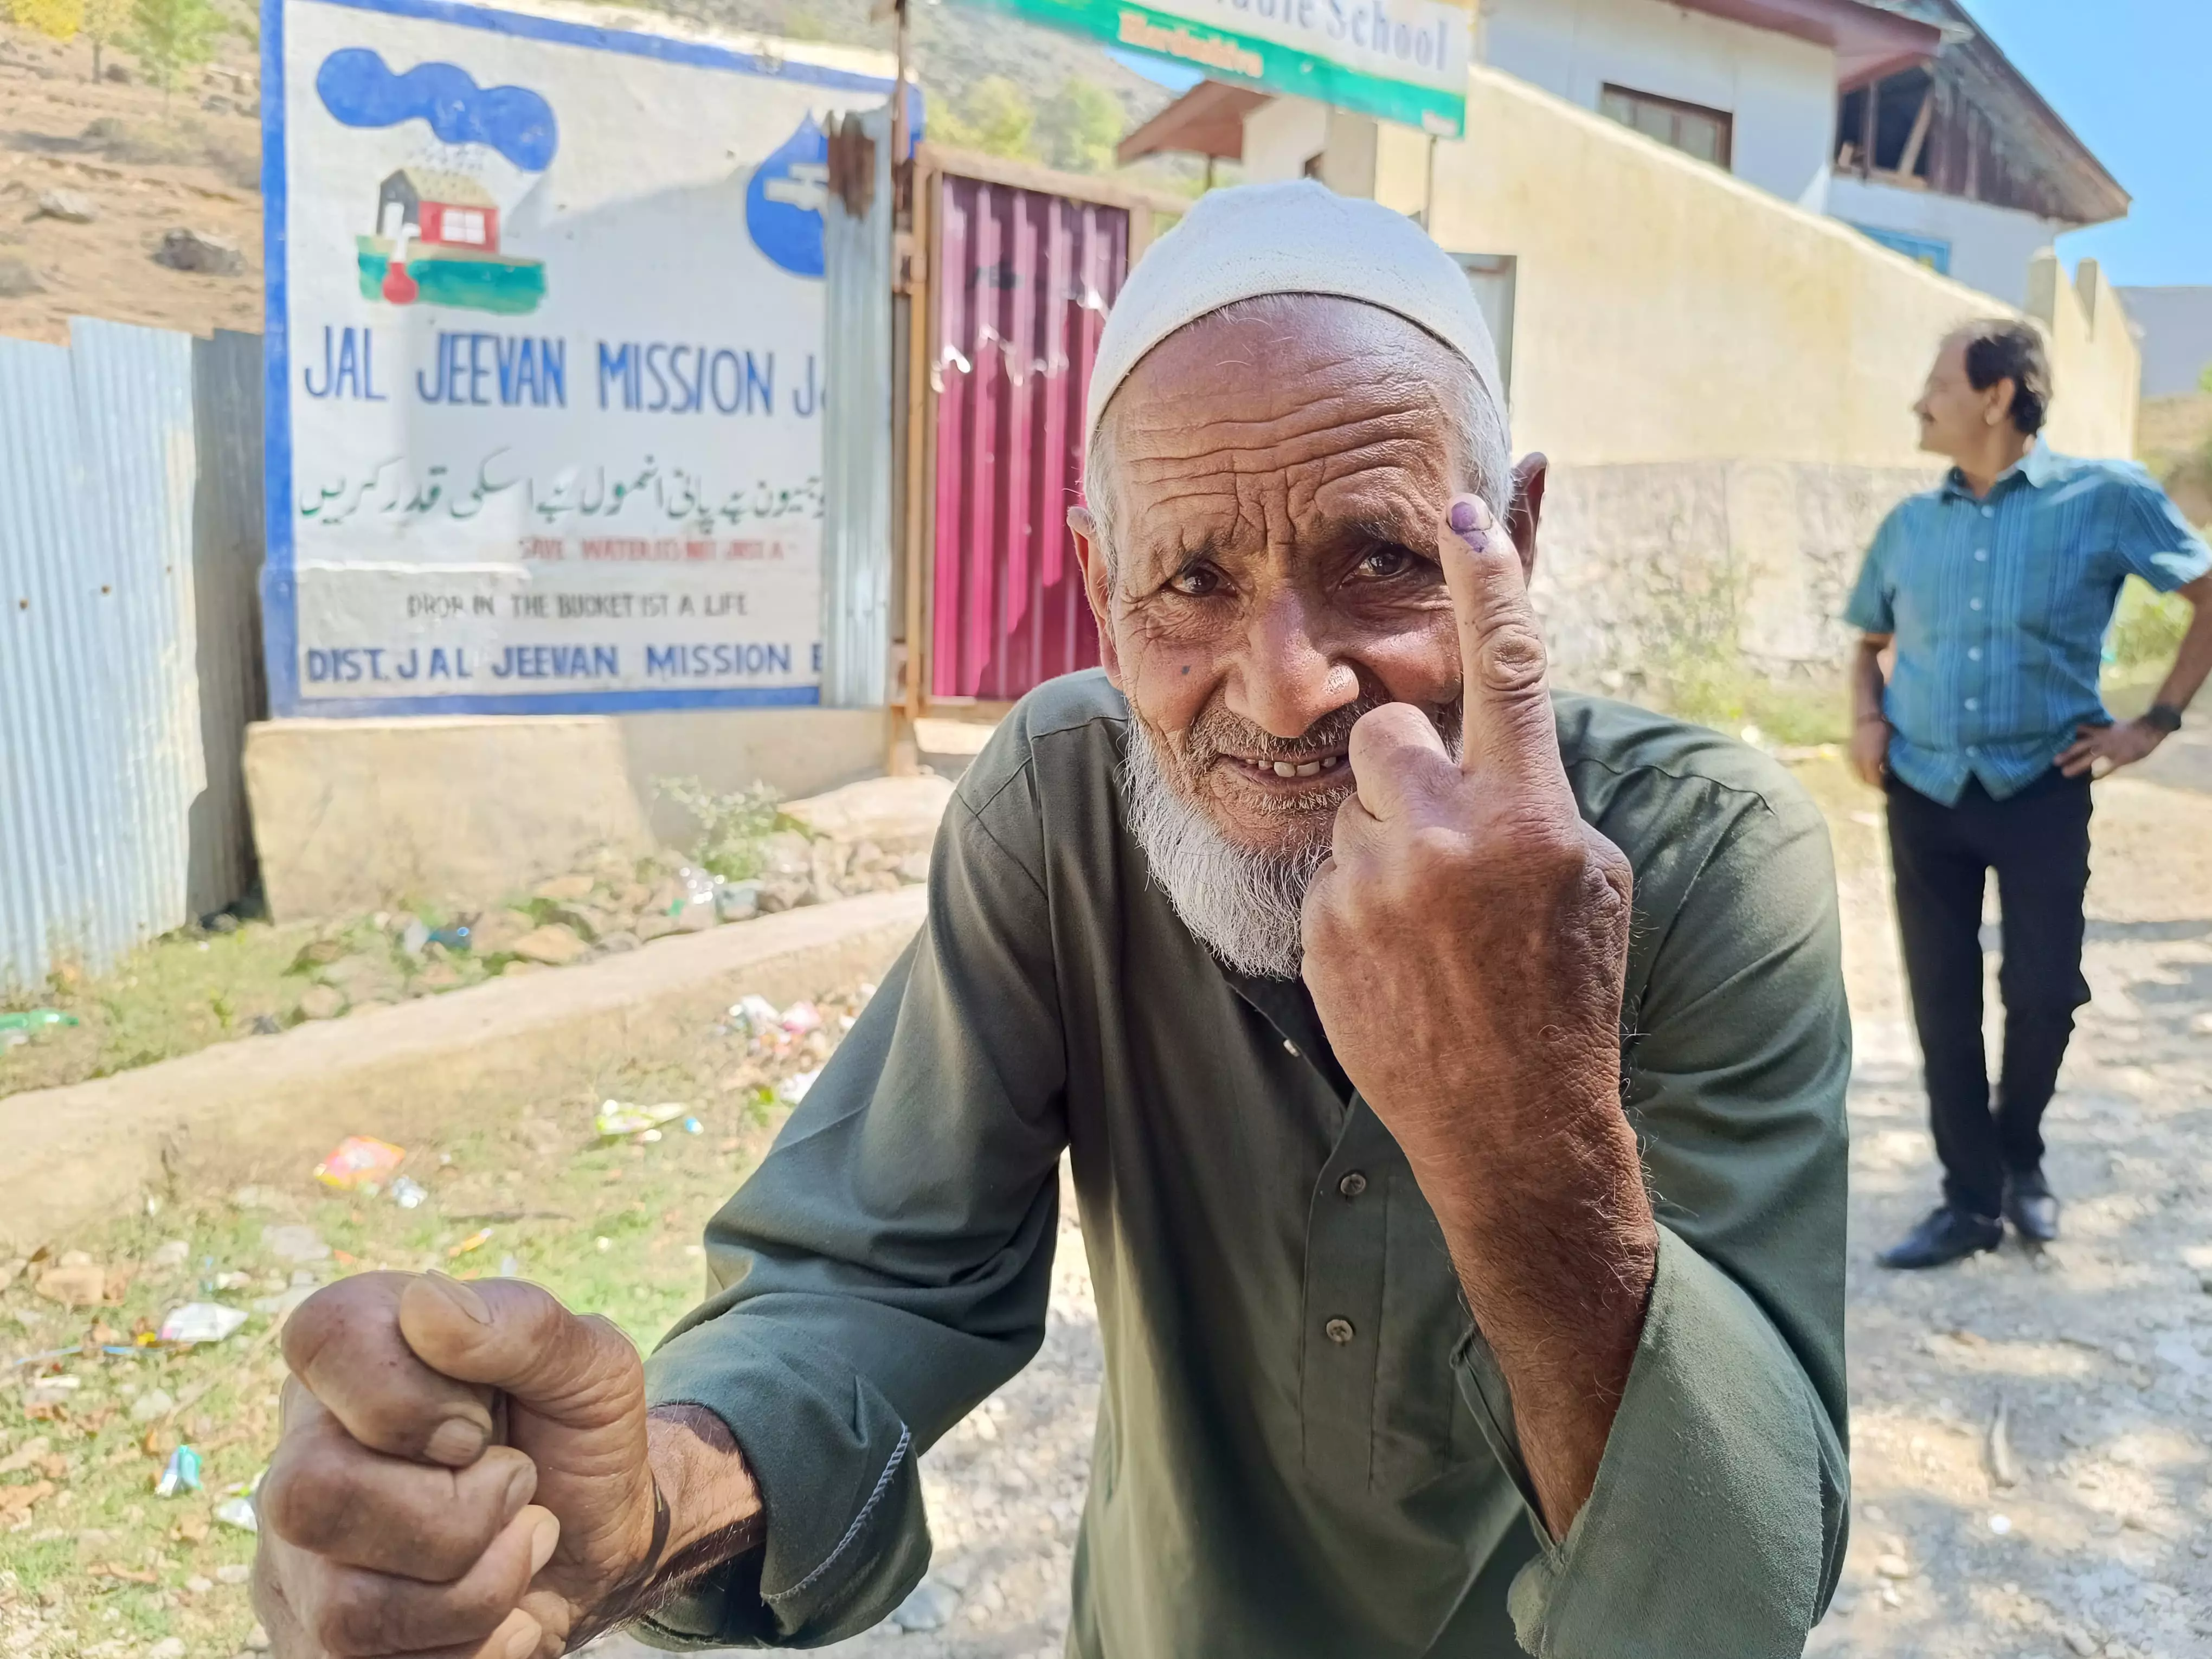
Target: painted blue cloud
357,87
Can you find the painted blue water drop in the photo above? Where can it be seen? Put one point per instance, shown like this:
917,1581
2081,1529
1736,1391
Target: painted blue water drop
784,201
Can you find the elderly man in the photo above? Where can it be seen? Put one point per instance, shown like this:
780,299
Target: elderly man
1452,1075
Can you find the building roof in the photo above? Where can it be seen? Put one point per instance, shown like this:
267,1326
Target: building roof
2051,170
1870,39
441,185
2018,151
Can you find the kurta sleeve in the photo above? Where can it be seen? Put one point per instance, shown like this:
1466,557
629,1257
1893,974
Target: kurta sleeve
888,1265
1718,1522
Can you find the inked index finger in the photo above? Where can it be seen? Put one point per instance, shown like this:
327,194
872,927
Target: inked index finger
1507,705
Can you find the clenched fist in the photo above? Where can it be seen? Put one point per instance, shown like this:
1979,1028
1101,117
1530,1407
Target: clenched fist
463,1472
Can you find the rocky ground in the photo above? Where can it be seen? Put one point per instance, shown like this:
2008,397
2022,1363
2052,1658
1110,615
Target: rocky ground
2100,1350
94,175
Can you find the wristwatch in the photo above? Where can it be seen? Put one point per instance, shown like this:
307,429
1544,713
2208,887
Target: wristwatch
2162,717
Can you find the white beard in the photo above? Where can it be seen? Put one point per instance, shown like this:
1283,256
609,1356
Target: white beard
1243,906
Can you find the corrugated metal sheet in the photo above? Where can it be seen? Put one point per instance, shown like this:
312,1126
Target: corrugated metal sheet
227,542
857,562
1023,281
103,756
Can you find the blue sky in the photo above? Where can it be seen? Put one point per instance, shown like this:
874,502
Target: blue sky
2132,82
1175,77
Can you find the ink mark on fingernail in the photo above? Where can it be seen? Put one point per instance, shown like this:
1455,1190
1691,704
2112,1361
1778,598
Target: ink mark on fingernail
1462,516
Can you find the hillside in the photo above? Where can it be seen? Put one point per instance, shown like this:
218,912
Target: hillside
955,46
144,163
2175,442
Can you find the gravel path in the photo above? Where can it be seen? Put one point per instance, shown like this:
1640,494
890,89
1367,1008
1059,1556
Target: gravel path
2100,1349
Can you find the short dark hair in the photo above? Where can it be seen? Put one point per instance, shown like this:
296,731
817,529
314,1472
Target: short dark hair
2002,349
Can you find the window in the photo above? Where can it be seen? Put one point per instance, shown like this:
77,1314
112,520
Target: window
1889,128
1707,134
462,225
1931,251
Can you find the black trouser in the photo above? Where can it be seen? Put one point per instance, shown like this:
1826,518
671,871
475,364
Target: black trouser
2037,842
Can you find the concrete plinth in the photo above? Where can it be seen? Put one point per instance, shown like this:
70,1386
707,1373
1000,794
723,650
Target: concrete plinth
459,812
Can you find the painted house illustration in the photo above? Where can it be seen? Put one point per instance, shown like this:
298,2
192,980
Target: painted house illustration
441,209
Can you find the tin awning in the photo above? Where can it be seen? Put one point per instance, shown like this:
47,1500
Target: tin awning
1207,120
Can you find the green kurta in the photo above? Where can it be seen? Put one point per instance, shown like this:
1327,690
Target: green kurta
1266,1481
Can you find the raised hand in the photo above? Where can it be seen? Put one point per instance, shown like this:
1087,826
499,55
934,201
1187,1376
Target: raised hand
1469,937
1465,947
463,1471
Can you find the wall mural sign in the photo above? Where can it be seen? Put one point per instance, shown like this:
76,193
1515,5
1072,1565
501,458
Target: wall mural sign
1401,60
544,341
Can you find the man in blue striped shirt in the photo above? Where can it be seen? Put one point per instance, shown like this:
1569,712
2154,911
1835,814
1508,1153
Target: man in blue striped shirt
1995,589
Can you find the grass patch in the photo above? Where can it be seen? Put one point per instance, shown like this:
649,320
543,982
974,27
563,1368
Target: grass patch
171,997
197,987
1718,689
610,1228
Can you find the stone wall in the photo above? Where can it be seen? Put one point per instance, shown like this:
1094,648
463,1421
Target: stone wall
1641,566
351,816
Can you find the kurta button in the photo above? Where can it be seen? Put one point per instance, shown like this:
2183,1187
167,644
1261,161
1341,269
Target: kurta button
1289,1048
1353,1185
1338,1331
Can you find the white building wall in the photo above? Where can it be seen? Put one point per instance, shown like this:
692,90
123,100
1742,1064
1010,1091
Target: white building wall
1991,246
1280,137
1780,90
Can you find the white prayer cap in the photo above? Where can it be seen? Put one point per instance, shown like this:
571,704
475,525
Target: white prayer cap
1295,238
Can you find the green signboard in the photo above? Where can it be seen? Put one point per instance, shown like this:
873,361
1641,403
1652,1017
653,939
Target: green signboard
1401,60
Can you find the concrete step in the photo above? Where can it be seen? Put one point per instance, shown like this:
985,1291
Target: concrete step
266,1107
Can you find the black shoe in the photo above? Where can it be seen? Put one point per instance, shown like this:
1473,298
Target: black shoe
1947,1235
2029,1205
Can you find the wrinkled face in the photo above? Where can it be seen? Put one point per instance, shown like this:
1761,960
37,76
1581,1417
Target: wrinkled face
1277,472
1955,420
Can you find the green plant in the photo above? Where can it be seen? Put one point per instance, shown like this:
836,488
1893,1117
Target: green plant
173,36
732,827
1717,686
1079,130
106,23
57,20
802,23
995,116
2147,627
